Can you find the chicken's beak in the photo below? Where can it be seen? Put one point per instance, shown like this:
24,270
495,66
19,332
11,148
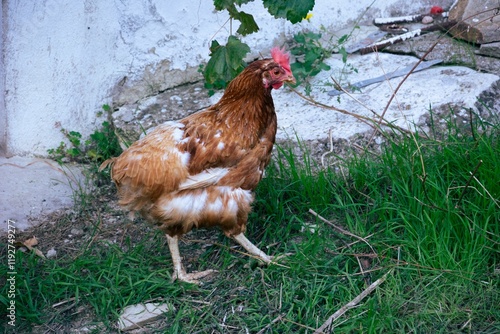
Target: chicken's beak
291,79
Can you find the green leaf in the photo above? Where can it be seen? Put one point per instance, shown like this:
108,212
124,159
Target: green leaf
292,10
226,4
343,39
226,62
248,24
343,52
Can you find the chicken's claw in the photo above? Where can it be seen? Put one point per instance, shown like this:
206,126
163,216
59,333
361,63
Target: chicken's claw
192,278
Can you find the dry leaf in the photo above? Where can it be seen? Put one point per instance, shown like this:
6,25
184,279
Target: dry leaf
30,244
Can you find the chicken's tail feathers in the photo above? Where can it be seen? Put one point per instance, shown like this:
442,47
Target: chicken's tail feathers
106,164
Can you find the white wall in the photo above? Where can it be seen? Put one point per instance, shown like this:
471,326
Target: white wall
3,114
63,59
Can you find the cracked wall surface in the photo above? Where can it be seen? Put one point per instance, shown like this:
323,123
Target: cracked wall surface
65,59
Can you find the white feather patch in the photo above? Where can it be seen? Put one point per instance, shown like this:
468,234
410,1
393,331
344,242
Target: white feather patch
186,204
204,179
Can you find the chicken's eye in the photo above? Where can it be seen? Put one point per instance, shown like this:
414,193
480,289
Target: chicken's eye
276,71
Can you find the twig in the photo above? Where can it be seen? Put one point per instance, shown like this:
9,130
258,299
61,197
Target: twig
450,25
330,140
275,320
351,304
407,19
340,229
367,120
403,37
468,183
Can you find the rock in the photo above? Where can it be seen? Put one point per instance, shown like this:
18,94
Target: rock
51,253
478,21
76,231
444,86
449,50
427,19
490,49
135,316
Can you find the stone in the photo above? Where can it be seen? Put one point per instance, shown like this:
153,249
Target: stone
51,253
135,316
490,49
76,231
427,19
477,20
449,50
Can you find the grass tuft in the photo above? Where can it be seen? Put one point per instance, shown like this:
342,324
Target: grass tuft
426,208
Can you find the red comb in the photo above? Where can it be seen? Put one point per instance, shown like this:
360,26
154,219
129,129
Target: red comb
436,10
281,57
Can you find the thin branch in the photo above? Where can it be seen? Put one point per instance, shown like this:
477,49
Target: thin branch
275,320
367,120
351,304
330,140
468,183
398,87
340,229
403,37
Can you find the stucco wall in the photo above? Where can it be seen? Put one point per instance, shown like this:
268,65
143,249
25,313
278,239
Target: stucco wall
63,59
3,114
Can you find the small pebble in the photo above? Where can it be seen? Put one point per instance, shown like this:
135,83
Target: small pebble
427,20
76,231
51,253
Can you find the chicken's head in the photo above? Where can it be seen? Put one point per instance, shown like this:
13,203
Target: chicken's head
278,70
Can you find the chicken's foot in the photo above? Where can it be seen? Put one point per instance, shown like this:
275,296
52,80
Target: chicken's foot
251,248
179,272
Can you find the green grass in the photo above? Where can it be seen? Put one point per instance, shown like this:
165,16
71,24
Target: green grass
432,224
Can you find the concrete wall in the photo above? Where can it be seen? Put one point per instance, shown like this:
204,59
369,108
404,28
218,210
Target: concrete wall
3,114
63,59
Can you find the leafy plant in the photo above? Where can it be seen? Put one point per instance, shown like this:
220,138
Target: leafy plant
310,55
101,145
226,61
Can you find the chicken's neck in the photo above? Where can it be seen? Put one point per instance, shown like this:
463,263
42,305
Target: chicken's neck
248,104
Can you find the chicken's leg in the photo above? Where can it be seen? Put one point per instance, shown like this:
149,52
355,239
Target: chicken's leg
179,272
251,248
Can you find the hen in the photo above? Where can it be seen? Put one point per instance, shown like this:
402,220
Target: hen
201,171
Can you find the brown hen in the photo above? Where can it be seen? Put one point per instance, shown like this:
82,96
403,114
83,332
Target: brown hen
201,171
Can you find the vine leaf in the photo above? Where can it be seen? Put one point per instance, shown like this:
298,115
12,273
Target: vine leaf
248,24
226,4
292,10
226,62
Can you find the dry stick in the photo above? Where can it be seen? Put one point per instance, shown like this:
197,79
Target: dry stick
347,233
403,37
367,120
468,183
380,21
343,90
455,24
352,303
340,229
275,320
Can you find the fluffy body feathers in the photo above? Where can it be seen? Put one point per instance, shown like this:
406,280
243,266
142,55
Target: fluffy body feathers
200,171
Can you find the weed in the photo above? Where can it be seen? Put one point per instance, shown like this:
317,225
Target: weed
427,208
101,145
310,55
